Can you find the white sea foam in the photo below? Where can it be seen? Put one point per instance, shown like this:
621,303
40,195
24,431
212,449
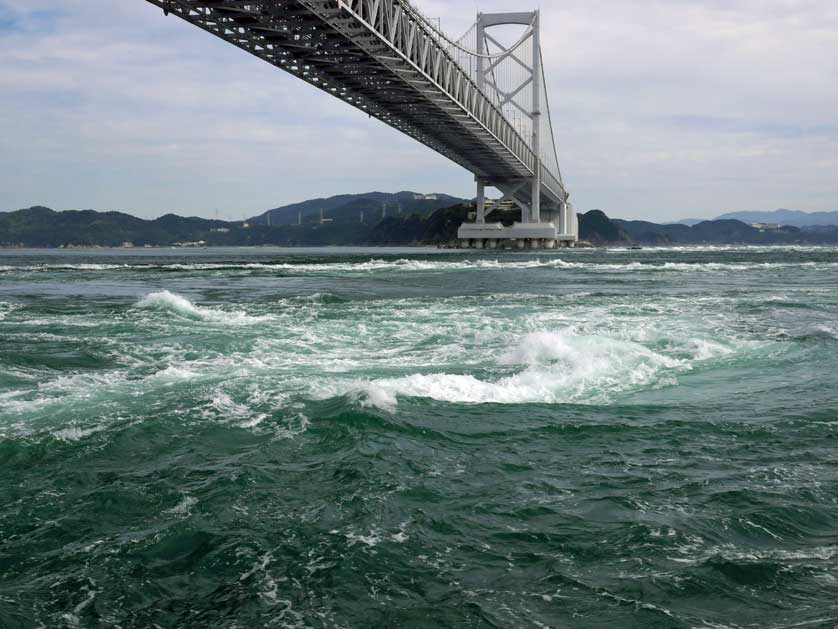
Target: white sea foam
75,433
372,539
258,567
726,248
174,374
165,300
64,267
64,390
374,266
6,309
90,389
827,331
470,349
184,507
699,554
703,349
81,389
560,367
225,407
406,265
399,538
72,618
182,307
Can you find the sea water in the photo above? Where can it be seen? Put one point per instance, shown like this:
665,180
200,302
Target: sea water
413,438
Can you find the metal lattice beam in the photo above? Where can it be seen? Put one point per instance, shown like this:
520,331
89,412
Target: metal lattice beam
381,57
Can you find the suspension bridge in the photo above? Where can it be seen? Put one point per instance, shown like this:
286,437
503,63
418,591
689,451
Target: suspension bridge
479,101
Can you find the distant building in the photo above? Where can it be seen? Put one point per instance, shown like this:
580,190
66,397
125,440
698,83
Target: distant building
764,227
220,230
190,245
426,197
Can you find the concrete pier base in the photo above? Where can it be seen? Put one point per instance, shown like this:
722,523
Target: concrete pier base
517,236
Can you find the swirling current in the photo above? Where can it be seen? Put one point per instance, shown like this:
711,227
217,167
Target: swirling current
349,438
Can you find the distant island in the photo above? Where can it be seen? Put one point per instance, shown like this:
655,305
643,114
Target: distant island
791,218
379,219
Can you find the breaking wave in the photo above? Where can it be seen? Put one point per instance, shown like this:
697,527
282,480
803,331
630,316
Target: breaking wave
178,305
6,309
559,368
405,265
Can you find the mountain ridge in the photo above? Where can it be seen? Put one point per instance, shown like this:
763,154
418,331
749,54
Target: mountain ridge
792,218
352,207
40,226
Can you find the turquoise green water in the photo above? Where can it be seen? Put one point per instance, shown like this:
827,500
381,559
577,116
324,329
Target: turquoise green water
350,438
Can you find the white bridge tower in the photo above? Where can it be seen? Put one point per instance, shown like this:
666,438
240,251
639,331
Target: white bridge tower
514,76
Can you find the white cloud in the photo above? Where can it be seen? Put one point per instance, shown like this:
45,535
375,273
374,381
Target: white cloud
664,108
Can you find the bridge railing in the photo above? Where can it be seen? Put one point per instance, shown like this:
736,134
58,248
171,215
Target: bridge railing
412,38
410,34
413,35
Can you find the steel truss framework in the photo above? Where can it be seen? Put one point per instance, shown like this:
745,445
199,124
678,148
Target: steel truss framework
383,57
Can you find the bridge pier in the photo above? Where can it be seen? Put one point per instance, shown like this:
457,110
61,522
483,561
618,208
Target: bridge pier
533,244
517,236
481,201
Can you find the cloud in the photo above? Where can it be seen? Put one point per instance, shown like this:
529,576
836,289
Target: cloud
663,108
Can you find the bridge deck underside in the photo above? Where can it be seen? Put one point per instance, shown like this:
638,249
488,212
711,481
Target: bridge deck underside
319,42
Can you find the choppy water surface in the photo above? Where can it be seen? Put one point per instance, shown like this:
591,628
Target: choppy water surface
350,438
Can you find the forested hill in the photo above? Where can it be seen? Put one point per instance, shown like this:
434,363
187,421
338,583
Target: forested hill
43,227
597,228
355,208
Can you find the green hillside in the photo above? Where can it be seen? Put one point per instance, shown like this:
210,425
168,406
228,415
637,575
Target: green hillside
43,227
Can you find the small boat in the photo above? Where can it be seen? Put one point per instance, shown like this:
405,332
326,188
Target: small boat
636,248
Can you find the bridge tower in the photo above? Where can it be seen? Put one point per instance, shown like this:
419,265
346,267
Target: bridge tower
549,225
531,76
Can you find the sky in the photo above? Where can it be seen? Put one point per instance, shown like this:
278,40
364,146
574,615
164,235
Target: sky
663,109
